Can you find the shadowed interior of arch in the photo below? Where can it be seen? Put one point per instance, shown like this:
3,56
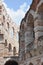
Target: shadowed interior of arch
11,62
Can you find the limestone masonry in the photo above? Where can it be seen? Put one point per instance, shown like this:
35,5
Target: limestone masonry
8,33
31,35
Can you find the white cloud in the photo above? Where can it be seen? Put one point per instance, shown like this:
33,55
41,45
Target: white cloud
19,14
1,0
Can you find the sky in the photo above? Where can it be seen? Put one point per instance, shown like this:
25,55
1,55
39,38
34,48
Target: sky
17,9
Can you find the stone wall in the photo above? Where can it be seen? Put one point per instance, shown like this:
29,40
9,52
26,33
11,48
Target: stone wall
32,26
8,33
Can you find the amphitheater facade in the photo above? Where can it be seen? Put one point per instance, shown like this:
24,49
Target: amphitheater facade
8,34
30,36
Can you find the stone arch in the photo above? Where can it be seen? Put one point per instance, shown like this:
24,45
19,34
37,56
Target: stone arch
10,61
14,50
13,30
0,7
30,20
0,10
40,44
9,47
40,8
40,11
42,63
40,38
30,34
30,63
5,42
3,18
30,25
7,25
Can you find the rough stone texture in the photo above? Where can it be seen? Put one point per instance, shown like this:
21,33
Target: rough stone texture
32,26
30,36
8,31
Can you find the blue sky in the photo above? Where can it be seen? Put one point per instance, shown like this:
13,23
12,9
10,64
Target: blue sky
15,4
17,9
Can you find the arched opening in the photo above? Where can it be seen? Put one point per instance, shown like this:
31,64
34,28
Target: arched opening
0,10
11,62
5,42
30,63
1,37
3,18
40,44
40,8
40,41
40,38
42,63
40,11
13,30
30,34
30,24
7,25
9,48
14,51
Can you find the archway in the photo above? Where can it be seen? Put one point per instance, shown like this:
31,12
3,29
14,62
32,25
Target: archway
5,42
9,47
42,63
30,24
11,62
30,63
14,51
30,34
